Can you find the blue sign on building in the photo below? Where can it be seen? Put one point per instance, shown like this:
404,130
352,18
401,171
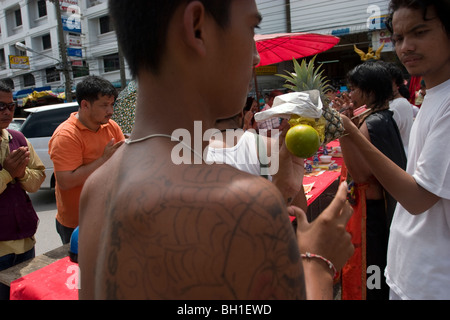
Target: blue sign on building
340,32
72,23
377,23
74,52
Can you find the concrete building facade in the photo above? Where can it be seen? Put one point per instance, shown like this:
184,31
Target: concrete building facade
92,47
89,39
359,23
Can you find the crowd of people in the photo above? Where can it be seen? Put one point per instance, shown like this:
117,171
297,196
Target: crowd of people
150,229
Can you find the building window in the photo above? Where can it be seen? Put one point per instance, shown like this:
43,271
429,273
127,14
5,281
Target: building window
9,82
28,80
105,25
20,52
92,3
52,75
111,62
2,58
46,42
42,8
18,15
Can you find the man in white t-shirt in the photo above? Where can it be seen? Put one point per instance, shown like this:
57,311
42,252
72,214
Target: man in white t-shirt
404,117
258,155
418,260
274,123
400,106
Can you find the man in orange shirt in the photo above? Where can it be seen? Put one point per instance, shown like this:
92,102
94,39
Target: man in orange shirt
80,145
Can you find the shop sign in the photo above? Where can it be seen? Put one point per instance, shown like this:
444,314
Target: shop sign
266,70
380,37
377,22
19,62
76,62
69,6
72,23
340,32
75,52
73,40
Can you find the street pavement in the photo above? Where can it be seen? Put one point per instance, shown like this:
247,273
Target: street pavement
47,238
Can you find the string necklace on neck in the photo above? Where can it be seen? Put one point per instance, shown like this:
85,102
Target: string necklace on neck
156,135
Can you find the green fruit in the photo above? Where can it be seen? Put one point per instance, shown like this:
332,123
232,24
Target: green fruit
302,140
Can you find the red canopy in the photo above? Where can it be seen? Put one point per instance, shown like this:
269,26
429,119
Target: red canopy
278,47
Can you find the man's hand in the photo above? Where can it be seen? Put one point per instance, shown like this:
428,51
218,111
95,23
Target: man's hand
16,162
111,148
247,120
349,125
290,172
344,105
71,179
327,236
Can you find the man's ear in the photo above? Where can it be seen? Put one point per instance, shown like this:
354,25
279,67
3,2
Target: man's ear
194,24
84,104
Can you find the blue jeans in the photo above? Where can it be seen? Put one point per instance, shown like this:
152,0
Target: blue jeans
9,261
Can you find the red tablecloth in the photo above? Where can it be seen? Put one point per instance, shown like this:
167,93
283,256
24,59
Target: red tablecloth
57,281
324,180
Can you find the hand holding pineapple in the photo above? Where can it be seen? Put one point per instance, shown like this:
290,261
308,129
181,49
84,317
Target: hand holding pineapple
326,122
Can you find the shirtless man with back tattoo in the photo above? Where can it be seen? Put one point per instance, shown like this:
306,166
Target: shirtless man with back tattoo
151,229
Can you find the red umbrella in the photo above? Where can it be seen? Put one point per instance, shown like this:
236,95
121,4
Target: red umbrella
278,47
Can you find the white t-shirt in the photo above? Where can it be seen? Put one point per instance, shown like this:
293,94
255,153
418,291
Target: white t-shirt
418,265
243,156
403,116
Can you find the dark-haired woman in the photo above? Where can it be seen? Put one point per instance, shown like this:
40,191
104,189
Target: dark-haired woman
371,86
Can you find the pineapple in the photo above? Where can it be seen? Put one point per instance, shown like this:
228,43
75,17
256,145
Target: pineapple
306,78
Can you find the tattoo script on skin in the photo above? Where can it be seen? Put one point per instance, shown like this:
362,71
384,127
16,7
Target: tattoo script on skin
205,232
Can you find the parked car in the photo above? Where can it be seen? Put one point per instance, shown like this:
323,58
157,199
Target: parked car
38,129
16,123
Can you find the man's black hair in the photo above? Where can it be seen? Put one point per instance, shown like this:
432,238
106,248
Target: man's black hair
442,10
92,87
4,87
141,27
397,75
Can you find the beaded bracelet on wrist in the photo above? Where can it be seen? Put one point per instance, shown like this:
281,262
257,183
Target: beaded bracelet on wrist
309,255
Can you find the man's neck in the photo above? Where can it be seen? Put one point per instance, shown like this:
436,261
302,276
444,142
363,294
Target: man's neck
158,108
227,124
435,80
88,124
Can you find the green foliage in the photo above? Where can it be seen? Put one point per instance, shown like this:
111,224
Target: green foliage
306,77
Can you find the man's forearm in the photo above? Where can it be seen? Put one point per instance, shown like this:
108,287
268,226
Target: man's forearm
33,179
318,280
68,180
5,178
289,192
401,185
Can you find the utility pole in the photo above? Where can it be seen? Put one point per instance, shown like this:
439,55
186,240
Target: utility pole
63,52
288,16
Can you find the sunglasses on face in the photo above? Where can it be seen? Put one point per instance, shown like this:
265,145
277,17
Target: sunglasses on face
9,106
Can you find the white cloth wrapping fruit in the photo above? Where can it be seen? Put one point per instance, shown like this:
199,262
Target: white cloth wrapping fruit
306,104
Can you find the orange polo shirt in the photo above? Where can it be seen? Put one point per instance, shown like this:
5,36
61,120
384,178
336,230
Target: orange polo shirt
72,146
